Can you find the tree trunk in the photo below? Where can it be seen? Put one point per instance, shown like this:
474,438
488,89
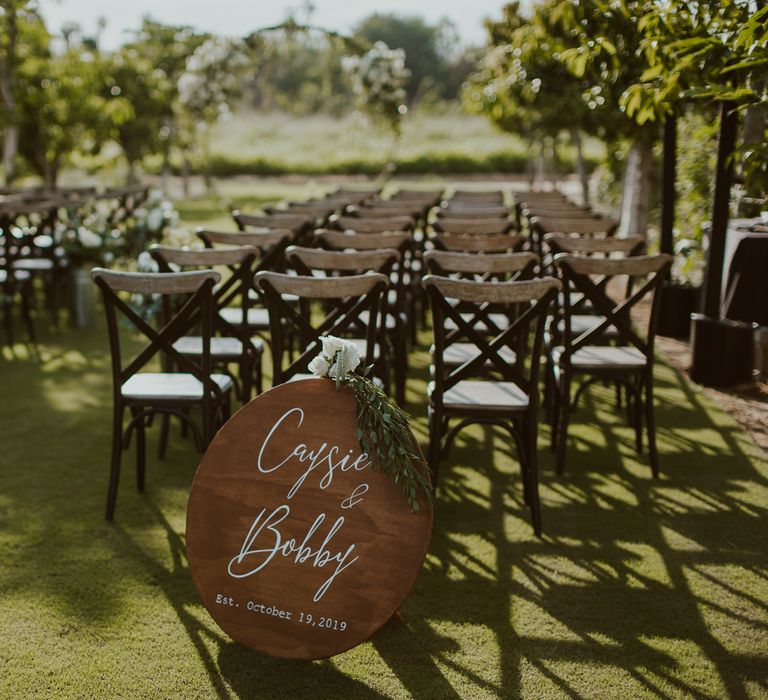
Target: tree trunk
581,167
530,164
130,178
10,148
7,78
637,189
185,175
207,177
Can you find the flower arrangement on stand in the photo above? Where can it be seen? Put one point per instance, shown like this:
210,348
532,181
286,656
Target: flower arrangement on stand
383,428
149,222
379,78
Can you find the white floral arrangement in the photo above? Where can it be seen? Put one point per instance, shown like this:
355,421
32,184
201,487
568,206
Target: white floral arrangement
383,428
379,78
212,77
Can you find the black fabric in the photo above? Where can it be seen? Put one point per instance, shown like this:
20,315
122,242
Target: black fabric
746,298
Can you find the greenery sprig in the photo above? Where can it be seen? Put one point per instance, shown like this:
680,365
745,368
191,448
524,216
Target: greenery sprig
383,428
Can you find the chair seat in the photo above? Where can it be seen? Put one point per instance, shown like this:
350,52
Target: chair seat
287,296
297,377
34,264
484,396
500,320
361,345
154,386
220,346
18,275
391,321
603,357
581,323
458,353
257,318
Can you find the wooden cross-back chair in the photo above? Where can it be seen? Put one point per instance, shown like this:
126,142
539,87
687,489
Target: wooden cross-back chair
583,357
403,278
353,295
466,392
463,211
473,226
391,345
270,246
582,313
540,226
478,243
489,319
15,289
297,222
361,224
147,393
230,344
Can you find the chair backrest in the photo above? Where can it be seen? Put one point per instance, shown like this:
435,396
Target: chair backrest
235,288
587,245
306,261
475,243
380,210
373,224
196,287
297,222
591,278
463,210
343,240
584,226
470,226
270,244
351,308
527,303
482,267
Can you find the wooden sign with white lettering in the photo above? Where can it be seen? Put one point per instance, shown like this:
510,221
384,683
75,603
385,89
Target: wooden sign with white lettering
298,547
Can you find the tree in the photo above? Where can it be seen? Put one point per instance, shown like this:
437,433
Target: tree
17,17
211,81
139,99
603,48
61,110
525,87
427,48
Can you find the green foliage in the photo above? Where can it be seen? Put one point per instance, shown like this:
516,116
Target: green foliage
523,84
427,48
61,109
139,100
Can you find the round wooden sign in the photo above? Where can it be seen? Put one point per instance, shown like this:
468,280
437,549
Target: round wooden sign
298,547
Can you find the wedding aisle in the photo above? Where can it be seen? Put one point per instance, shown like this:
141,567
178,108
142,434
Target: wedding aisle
637,587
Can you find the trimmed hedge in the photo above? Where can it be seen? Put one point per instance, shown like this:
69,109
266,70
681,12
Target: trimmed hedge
426,164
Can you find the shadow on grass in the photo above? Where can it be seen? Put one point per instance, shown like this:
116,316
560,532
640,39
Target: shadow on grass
638,586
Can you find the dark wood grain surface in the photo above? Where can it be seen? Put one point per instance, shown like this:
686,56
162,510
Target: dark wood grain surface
342,546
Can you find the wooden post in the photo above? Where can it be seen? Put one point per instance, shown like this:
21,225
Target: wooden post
713,273
721,350
669,174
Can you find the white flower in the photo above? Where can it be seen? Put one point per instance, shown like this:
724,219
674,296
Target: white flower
155,220
89,239
146,263
319,366
337,358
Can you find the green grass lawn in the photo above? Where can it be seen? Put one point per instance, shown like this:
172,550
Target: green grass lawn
638,588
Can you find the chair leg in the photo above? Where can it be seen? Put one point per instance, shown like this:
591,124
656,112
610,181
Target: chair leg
554,414
246,379
650,422
531,434
141,451
435,435
401,372
26,312
114,472
637,404
165,426
564,411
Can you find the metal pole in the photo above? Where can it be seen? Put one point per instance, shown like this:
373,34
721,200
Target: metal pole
669,173
713,273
